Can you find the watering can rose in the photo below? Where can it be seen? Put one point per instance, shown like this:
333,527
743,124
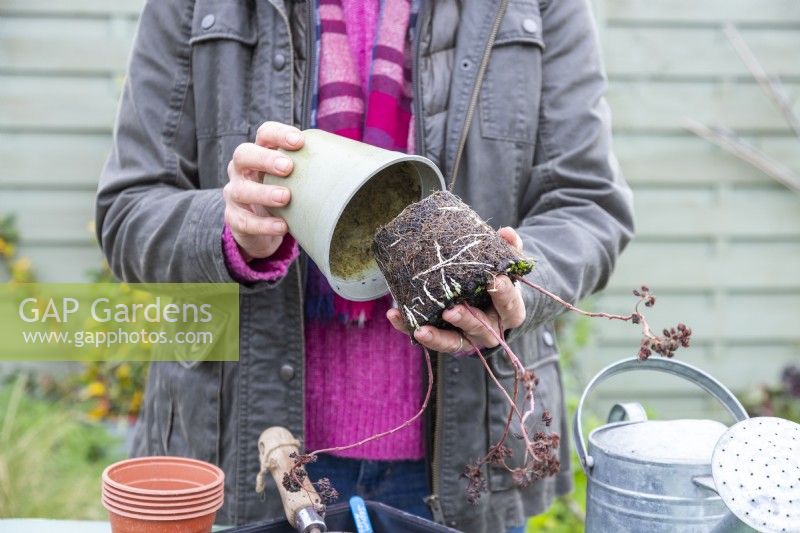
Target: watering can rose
103,310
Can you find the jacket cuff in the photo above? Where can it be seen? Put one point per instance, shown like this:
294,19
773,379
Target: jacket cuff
272,268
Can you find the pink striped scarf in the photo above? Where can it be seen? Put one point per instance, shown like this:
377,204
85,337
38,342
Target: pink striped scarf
382,119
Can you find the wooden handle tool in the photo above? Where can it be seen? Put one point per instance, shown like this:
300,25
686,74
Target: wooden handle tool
274,447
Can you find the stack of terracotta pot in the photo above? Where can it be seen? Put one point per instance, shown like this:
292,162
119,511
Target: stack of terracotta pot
162,494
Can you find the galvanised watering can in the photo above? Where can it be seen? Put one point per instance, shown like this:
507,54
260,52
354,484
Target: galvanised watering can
640,473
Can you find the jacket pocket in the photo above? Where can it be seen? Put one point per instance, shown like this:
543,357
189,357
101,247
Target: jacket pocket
511,90
533,349
223,19
223,41
541,357
187,418
223,38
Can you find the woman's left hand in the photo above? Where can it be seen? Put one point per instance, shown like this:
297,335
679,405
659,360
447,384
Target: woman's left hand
507,311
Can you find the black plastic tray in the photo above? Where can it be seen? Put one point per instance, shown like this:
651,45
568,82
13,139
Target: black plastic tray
384,519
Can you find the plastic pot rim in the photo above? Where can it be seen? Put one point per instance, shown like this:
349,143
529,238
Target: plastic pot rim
189,515
164,498
155,505
163,460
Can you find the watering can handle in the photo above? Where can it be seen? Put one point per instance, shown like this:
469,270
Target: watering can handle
668,366
632,412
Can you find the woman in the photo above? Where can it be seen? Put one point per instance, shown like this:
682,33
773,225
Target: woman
505,96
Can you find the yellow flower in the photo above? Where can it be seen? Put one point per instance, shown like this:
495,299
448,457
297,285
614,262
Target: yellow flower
22,264
21,269
98,411
10,250
95,389
123,371
3,246
136,401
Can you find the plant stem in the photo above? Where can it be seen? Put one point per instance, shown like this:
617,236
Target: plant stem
496,381
539,288
518,366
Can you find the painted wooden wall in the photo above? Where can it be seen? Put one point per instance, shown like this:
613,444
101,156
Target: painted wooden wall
717,241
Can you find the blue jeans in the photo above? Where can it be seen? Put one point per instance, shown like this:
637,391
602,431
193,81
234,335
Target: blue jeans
400,484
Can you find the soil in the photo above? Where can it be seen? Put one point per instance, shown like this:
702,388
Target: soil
439,252
375,204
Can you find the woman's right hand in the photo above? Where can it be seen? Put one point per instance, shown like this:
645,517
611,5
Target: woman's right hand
247,201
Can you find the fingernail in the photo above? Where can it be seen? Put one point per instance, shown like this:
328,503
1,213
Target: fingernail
424,334
280,196
293,138
454,315
282,164
278,226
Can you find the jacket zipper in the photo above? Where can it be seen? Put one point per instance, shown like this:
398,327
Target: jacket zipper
419,147
419,138
434,501
473,100
305,122
310,66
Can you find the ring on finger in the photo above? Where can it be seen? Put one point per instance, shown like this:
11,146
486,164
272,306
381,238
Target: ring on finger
460,344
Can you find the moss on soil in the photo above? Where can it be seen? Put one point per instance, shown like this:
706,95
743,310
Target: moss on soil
374,205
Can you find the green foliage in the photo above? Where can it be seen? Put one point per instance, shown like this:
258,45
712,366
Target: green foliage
51,459
102,389
567,512
16,269
520,268
8,229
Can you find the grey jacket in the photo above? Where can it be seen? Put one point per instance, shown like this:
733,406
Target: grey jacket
204,74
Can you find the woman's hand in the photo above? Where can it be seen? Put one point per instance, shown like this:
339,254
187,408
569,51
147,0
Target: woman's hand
507,311
247,200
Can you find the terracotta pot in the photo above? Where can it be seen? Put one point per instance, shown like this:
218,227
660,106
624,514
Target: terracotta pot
156,514
131,523
163,476
155,505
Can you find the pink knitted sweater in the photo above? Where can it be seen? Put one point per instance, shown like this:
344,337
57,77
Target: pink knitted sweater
359,381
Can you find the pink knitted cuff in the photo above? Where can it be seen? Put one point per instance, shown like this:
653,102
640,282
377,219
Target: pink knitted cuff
271,268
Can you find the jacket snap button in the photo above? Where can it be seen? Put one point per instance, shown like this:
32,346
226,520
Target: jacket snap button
207,21
455,370
286,372
529,25
279,61
547,337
